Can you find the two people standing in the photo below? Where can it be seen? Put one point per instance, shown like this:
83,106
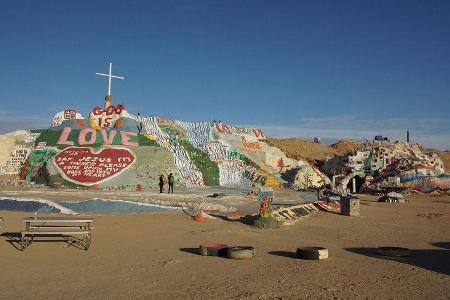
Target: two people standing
170,181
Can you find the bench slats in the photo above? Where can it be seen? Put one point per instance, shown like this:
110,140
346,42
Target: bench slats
60,227
55,232
57,226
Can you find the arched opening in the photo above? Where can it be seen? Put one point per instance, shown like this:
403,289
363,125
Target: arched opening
359,181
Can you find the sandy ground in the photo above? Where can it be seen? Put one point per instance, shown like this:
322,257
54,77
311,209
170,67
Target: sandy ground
152,256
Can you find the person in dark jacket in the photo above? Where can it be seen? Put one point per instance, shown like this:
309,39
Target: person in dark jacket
320,193
171,181
161,183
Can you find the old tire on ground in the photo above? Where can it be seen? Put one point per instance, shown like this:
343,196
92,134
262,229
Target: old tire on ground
241,252
393,251
213,249
312,253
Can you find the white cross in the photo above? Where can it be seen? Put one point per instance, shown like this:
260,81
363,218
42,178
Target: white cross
110,77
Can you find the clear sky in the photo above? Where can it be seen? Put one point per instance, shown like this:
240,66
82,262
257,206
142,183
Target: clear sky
293,68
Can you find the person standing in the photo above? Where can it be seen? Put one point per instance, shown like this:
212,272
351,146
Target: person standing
140,126
171,181
161,183
320,193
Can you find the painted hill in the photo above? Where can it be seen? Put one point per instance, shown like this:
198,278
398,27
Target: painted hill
115,150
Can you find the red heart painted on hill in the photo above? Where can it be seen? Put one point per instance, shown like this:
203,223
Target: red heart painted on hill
83,166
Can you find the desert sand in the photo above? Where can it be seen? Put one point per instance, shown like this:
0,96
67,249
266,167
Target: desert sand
153,256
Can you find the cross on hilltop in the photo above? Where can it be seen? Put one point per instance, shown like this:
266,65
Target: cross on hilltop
110,76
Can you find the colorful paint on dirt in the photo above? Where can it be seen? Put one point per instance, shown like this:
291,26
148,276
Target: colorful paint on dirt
425,183
229,129
265,199
208,168
71,137
83,166
17,157
106,118
67,114
89,136
291,214
250,145
329,206
35,162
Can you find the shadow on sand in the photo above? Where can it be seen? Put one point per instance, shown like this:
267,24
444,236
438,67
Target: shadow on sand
14,239
444,245
190,250
436,260
247,220
288,254
196,251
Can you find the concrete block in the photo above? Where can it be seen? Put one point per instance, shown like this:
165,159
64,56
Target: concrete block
349,206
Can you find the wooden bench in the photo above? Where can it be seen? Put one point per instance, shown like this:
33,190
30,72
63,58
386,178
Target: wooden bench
65,227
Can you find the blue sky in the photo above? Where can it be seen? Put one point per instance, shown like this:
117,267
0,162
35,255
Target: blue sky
294,68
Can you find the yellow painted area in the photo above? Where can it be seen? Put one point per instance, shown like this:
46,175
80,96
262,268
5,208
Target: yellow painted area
271,180
93,124
150,137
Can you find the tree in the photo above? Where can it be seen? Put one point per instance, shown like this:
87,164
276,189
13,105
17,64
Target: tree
280,164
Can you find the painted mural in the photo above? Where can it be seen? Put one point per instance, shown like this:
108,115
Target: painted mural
17,157
108,117
67,114
116,150
235,130
382,164
81,165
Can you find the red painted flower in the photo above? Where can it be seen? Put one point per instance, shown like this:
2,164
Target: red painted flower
118,123
80,123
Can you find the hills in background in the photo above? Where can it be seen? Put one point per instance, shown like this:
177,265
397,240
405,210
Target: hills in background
298,148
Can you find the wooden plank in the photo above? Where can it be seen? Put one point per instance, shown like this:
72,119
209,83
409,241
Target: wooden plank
57,220
57,226
55,232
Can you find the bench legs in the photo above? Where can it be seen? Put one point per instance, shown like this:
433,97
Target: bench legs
85,242
26,240
88,241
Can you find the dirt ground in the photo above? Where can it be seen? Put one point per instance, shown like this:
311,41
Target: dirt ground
302,149
153,256
313,152
444,156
